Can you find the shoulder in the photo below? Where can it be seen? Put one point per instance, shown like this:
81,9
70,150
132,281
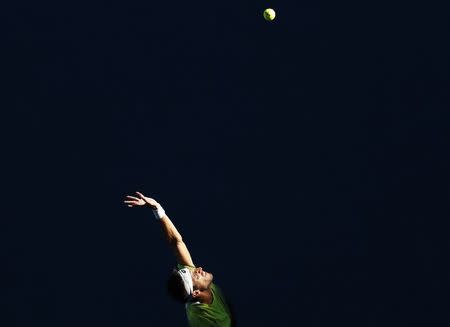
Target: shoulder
201,321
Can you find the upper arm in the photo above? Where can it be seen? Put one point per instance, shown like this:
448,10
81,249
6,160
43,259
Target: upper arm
182,254
176,242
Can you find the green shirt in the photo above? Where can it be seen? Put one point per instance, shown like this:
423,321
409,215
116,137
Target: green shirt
216,314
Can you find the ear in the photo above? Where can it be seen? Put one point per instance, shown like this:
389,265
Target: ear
196,294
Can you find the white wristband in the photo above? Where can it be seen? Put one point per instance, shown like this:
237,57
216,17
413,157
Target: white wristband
159,212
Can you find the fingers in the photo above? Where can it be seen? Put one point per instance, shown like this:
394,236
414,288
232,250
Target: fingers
145,198
139,200
131,203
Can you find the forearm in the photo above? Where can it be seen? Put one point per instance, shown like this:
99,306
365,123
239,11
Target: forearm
170,231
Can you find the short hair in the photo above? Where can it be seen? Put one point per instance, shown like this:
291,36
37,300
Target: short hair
175,287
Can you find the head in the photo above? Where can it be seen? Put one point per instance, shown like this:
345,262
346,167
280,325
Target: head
190,284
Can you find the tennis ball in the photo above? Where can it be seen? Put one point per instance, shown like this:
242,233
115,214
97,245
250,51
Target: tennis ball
269,14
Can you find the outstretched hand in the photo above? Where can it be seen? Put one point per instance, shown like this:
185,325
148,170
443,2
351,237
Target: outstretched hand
140,200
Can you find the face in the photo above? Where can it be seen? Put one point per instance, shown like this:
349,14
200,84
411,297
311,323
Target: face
201,279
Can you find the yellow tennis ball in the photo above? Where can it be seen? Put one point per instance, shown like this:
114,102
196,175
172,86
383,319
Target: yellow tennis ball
269,14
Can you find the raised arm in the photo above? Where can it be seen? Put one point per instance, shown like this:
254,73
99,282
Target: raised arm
169,230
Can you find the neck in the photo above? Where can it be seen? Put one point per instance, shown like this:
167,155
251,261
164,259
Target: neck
205,297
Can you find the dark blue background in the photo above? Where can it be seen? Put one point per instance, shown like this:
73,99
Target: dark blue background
305,161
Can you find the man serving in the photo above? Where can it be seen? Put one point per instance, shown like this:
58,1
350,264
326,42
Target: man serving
204,301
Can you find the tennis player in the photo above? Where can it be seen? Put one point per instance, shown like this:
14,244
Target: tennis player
205,303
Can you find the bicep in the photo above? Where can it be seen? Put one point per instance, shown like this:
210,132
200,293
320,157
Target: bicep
182,254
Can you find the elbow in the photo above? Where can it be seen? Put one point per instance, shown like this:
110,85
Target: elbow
176,240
